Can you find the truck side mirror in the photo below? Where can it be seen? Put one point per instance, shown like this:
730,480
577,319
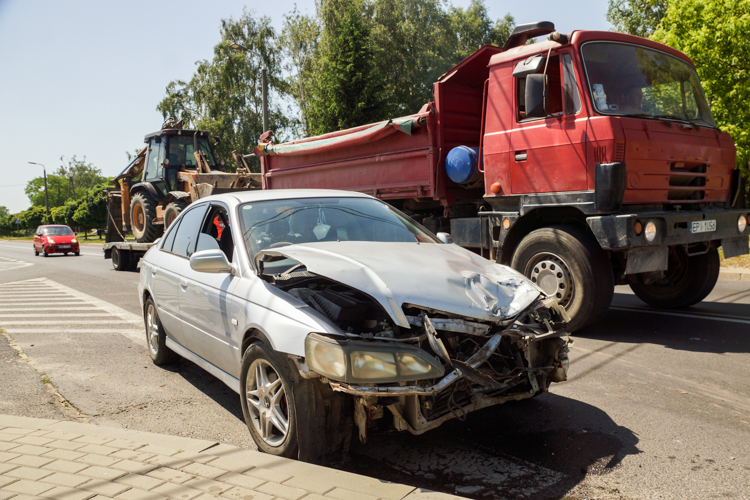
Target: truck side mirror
536,96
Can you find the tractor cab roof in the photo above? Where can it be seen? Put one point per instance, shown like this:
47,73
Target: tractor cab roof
175,131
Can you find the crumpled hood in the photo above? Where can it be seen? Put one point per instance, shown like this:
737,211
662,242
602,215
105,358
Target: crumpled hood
443,277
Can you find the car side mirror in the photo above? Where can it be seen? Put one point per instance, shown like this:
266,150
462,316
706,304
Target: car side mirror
536,96
210,261
444,238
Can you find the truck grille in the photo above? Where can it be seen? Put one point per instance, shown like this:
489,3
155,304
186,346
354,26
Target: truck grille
687,179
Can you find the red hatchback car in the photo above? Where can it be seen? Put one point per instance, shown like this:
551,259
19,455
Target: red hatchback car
55,239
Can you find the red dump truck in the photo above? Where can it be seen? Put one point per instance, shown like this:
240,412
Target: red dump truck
583,161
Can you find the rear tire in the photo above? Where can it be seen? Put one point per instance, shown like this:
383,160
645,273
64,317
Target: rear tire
172,211
687,281
156,337
121,260
142,216
568,263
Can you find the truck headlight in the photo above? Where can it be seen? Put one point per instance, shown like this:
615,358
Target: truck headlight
741,223
650,231
369,362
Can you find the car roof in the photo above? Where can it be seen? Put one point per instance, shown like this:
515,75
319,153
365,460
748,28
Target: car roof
282,194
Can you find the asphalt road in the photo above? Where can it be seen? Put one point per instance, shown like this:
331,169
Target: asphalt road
657,405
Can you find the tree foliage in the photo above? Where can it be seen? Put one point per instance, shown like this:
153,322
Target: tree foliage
224,95
636,17
713,34
69,181
91,211
348,89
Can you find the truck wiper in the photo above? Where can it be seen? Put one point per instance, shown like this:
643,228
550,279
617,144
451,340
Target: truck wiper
663,119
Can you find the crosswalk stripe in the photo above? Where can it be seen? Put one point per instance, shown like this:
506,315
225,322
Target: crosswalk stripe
52,322
57,315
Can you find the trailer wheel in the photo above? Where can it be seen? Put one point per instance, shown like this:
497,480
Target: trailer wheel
687,281
142,216
120,259
567,263
172,211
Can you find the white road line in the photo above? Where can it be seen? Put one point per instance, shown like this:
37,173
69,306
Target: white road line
84,322
58,314
87,315
709,317
49,309
132,334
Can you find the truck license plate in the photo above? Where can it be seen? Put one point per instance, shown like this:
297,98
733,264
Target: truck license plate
703,226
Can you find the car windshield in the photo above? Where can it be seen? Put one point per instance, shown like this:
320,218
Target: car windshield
58,231
276,223
631,80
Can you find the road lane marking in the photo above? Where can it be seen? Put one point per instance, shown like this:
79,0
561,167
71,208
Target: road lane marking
709,317
8,264
61,313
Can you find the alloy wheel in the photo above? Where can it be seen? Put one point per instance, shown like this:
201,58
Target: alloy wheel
267,402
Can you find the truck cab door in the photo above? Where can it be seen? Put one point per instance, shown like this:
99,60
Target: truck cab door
548,153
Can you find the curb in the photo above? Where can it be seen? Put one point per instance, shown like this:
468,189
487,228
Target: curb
734,274
63,459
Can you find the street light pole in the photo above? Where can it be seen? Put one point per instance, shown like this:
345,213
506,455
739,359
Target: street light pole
46,200
264,86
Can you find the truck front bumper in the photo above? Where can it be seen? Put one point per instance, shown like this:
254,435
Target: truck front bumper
617,232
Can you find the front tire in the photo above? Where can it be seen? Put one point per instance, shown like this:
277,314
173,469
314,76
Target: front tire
142,217
36,252
156,337
567,263
267,402
44,250
687,281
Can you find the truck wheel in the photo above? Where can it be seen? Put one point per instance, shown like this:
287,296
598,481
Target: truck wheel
567,263
172,211
687,281
120,259
142,216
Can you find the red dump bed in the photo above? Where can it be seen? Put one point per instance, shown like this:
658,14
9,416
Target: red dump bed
403,158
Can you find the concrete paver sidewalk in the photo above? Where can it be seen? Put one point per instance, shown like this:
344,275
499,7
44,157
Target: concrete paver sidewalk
52,459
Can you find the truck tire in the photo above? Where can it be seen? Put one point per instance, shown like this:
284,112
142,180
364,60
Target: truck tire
121,260
687,281
566,262
142,216
172,211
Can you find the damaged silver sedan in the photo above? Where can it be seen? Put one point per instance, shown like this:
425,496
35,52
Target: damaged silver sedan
333,314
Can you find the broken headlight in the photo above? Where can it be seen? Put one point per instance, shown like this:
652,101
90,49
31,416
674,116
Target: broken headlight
369,362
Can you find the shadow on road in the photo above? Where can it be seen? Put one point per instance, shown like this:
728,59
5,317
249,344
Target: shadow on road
709,327
536,449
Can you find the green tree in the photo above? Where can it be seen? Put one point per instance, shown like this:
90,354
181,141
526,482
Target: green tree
473,28
64,213
57,189
636,17
224,95
80,175
32,217
713,34
91,211
348,88
299,41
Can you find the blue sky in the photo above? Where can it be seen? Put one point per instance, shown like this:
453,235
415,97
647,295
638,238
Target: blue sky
84,77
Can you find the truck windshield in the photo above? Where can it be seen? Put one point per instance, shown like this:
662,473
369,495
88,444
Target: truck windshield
631,80
181,150
275,223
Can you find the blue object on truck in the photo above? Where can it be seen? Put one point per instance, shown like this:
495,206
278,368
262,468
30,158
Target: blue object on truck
462,165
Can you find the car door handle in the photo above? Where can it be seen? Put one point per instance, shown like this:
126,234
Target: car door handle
183,284
520,155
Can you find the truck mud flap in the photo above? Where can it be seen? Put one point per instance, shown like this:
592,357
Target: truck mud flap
646,260
734,247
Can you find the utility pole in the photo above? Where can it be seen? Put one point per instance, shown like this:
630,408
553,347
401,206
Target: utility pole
46,200
264,82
